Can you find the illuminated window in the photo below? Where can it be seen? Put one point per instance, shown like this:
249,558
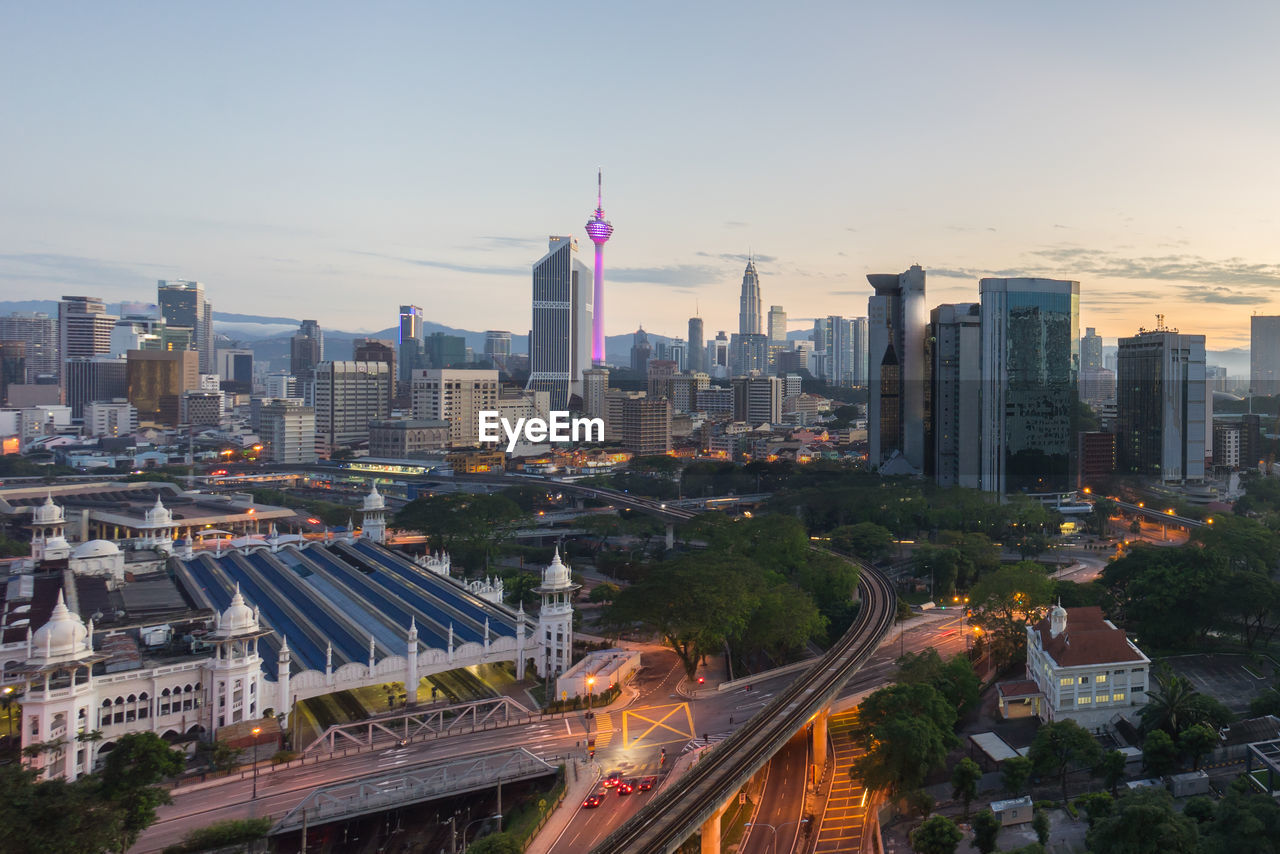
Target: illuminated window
1118,697
1104,698
1067,680
1100,678
1083,701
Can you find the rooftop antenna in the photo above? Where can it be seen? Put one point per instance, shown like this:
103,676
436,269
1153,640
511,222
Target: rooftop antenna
599,187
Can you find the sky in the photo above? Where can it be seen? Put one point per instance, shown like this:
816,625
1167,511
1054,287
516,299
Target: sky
336,160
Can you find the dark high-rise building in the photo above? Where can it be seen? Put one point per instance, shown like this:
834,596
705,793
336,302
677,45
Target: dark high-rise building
641,351
1030,369
235,368
306,350
749,302
183,303
1161,406
97,380
446,351
1264,354
156,381
896,321
954,346
13,366
497,348
757,400
411,352
1090,351
697,346
560,341
748,353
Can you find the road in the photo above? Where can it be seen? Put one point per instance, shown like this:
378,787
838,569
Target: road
776,826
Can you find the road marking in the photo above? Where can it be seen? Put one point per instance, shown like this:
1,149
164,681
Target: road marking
604,729
666,725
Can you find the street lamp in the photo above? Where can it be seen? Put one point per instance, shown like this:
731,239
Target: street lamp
773,840
256,731
591,683
476,821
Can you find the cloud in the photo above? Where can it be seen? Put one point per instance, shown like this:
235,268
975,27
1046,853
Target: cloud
489,242
480,269
677,275
76,270
1060,225
1172,268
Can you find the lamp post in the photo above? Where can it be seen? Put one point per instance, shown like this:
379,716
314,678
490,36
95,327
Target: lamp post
591,683
773,840
476,821
256,731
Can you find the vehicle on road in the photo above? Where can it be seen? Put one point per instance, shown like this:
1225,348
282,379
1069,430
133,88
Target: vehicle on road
646,783
612,779
594,800
625,787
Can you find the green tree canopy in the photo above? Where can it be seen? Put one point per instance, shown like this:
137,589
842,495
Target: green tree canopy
986,827
1002,604
1159,755
471,527
964,782
1144,822
867,540
938,835
1060,747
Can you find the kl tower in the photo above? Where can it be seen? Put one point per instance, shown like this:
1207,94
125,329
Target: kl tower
599,230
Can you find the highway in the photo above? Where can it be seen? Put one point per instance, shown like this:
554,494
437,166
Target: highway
676,813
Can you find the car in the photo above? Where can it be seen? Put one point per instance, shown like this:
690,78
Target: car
625,787
594,800
612,779
646,783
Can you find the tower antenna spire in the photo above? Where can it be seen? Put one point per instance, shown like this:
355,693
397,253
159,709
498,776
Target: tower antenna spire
599,188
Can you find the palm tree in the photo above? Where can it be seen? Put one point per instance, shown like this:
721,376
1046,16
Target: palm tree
1170,707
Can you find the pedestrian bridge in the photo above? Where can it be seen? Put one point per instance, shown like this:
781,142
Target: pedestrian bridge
428,781
419,724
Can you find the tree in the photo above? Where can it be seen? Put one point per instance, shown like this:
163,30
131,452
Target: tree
903,753
469,526
1196,742
1144,822
938,835
1159,755
953,679
986,828
1061,746
1040,824
1175,705
1201,809
1014,773
129,777
964,782
1245,821
1096,805
1111,769
867,540
1002,603
496,843
940,565
605,592
54,815
221,756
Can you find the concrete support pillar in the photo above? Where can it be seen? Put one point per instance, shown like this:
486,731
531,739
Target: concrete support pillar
711,830
671,536
820,743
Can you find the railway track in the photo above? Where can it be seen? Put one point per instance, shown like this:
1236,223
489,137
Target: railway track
677,813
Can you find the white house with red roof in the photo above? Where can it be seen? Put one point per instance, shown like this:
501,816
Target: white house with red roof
1083,668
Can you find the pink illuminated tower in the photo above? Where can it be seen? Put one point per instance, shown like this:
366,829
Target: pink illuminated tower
599,230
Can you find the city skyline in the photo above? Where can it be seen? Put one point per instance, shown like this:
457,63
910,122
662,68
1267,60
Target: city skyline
1064,169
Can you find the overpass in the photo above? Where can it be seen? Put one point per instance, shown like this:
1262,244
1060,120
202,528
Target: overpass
702,795
1167,517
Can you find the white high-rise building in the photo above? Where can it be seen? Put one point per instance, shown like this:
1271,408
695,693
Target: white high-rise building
560,340
282,385
116,417
84,330
896,320
348,395
457,396
287,431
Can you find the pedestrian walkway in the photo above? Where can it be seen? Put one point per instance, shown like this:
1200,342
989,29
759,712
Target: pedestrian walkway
844,819
604,729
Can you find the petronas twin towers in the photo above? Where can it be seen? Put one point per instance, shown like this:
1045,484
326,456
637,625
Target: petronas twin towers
749,304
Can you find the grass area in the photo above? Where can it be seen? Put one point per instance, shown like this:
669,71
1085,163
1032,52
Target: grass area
733,824
528,816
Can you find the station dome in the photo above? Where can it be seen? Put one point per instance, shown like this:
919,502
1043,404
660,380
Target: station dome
96,548
238,618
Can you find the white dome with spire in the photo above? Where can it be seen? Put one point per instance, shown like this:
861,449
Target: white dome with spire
48,513
159,515
1057,620
238,618
374,500
95,548
556,574
63,637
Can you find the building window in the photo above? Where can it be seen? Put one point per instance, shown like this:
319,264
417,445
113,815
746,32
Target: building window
1067,680
1104,698
1118,697
1101,677
1083,701
1084,680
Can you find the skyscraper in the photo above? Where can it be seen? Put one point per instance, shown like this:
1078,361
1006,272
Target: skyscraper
348,395
697,346
1264,354
844,361
156,381
641,351
1090,350
896,320
1030,367
954,343
749,303
1161,405
560,340
306,349
457,396
183,303
497,348
374,350
40,334
599,230
84,329
410,343
777,325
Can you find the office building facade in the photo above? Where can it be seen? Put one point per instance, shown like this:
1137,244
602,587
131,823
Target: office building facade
1264,354
457,396
349,395
497,348
1162,406
183,303
897,374
410,343
84,329
156,381
97,379
646,425
39,333
757,400
697,346
560,339
954,346
287,430
1030,371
